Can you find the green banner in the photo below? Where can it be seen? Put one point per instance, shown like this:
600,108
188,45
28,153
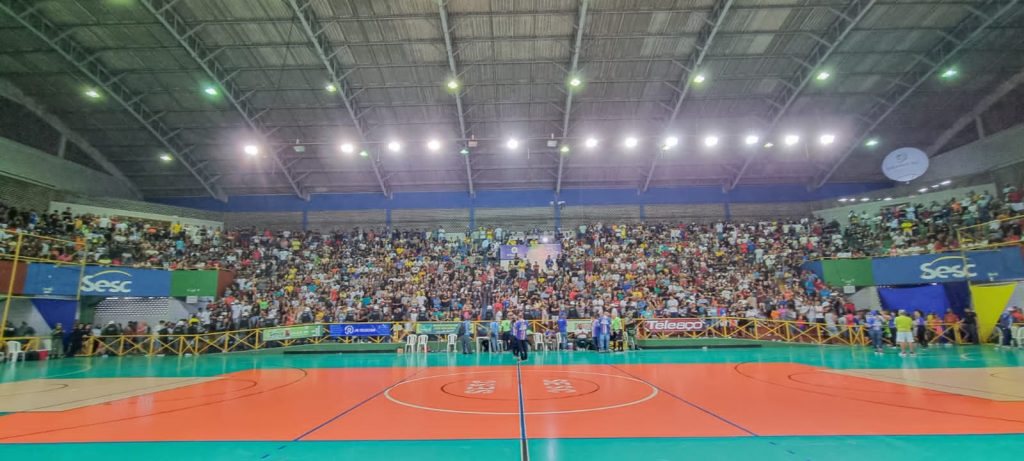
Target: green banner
437,328
293,332
193,283
842,272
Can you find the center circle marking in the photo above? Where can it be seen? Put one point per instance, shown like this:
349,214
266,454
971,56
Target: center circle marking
387,393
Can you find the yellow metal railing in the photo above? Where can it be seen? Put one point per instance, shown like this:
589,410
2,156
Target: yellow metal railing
714,327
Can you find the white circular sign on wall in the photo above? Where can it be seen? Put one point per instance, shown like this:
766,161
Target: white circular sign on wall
905,164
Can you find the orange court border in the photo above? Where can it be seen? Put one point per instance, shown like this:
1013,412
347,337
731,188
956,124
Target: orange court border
577,401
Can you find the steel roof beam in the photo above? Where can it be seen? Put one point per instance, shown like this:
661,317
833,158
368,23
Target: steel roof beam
980,108
573,69
982,16
185,35
313,29
88,65
706,35
10,91
446,30
787,95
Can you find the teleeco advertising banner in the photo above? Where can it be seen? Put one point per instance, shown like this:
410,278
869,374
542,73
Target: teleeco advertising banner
673,325
532,253
50,279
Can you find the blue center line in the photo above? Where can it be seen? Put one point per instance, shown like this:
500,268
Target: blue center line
694,405
524,447
343,413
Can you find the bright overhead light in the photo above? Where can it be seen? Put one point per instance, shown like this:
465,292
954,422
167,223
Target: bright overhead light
751,139
842,200
394,146
769,145
887,199
699,78
631,142
364,153
865,199
827,139
453,84
671,142
950,73
512,143
946,182
791,139
871,142
464,151
251,149
564,149
923,190
210,91
711,141
433,144
331,88
348,148
92,93
823,75
590,143
166,157
575,82
935,186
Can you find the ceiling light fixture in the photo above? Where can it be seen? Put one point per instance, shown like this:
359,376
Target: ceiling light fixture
631,142
394,146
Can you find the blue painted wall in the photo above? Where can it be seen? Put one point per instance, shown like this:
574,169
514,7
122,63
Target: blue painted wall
525,198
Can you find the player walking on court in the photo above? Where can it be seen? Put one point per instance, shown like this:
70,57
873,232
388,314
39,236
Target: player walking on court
519,334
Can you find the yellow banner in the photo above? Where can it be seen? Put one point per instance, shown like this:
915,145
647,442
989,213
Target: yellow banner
989,302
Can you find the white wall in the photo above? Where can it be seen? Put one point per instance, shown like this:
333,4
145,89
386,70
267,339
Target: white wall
27,164
103,211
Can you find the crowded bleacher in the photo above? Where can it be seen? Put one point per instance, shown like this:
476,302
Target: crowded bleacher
748,270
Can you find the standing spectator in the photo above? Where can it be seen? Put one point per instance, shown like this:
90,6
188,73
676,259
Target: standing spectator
604,326
970,326
465,331
1005,323
563,332
904,333
920,329
519,332
874,321
57,341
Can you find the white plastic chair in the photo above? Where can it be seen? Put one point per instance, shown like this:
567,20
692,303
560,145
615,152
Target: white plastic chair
453,343
479,340
421,342
538,341
410,343
46,344
14,351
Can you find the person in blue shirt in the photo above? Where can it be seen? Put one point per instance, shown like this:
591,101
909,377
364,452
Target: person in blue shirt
604,331
465,332
563,332
519,328
1005,325
874,324
492,343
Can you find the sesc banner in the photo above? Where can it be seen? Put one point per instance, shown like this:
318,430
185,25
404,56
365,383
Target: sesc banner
981,266
360,329
51,279
193,283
